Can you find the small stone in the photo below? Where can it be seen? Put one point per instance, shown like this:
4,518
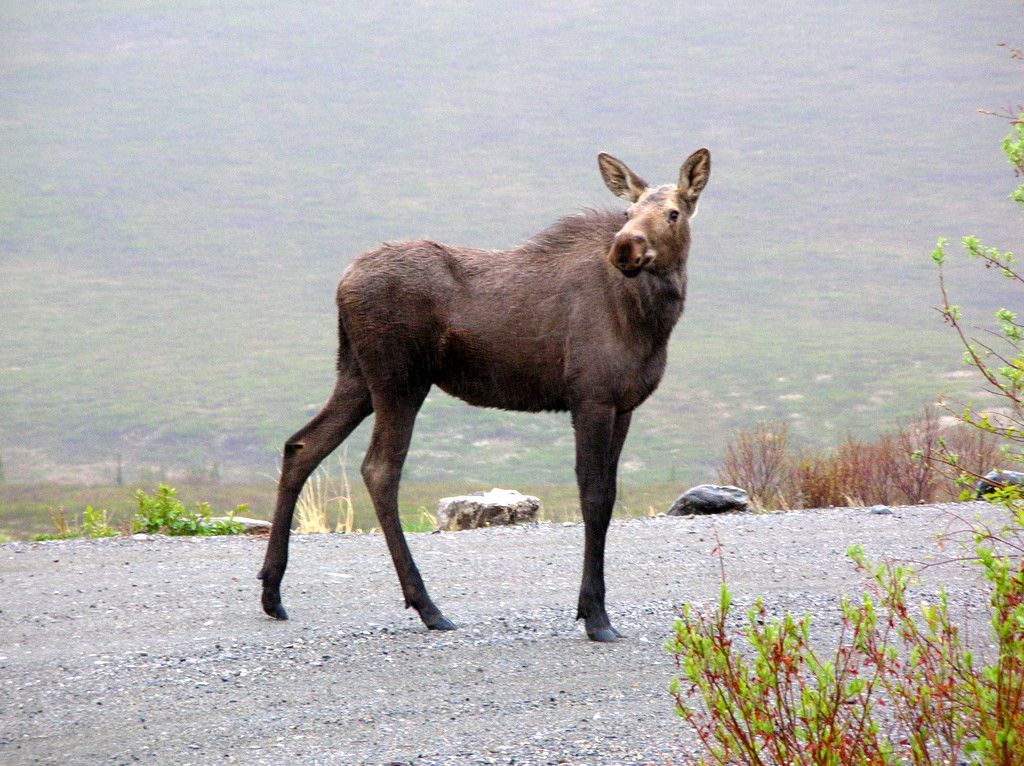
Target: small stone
710,498
881,510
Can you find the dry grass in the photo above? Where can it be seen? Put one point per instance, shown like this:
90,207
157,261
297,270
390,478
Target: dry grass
904,466
757,460
322,491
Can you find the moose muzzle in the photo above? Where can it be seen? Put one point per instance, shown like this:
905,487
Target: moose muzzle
630,252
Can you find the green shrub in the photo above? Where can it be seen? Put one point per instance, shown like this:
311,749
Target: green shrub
781,702
95,523
163,513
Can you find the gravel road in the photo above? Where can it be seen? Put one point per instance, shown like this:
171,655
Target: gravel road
156,651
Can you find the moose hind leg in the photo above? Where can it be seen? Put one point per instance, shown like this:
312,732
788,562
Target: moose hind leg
382,472
303,452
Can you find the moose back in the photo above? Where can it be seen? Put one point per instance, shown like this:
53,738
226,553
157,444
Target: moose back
576,319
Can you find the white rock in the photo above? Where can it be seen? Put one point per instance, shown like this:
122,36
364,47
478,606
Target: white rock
485,509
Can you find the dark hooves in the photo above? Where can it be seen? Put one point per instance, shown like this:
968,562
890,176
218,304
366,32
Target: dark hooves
272,606
277,612
441,623
603,635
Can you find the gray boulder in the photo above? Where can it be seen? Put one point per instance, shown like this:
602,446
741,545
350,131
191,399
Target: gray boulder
710,498
486,509
996,479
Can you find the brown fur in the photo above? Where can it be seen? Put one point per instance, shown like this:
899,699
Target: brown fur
576,319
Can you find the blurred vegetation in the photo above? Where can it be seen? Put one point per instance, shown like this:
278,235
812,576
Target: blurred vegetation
28,510
905,465
163,513
181,187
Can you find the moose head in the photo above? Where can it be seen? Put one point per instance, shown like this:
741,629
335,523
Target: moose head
657,230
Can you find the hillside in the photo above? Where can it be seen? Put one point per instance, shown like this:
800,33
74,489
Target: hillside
182,186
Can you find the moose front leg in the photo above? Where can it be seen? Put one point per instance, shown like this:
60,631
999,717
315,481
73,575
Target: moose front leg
600,434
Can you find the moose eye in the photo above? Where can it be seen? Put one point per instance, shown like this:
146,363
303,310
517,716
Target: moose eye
673,215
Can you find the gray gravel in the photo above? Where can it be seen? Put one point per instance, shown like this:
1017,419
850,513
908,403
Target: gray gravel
156,651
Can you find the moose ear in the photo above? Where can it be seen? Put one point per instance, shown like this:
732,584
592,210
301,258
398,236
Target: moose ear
622,181
693,175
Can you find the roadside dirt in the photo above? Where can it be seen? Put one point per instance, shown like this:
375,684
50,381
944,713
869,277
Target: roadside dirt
155,651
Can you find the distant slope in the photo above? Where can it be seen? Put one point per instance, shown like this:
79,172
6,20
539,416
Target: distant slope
181,186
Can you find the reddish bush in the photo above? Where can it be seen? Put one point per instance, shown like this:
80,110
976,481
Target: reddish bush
756,461
898,468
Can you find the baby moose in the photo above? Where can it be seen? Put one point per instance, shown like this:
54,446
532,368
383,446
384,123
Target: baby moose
577,319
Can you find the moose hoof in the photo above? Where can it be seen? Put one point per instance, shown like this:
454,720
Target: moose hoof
272,606
441,623
605,635
277,612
